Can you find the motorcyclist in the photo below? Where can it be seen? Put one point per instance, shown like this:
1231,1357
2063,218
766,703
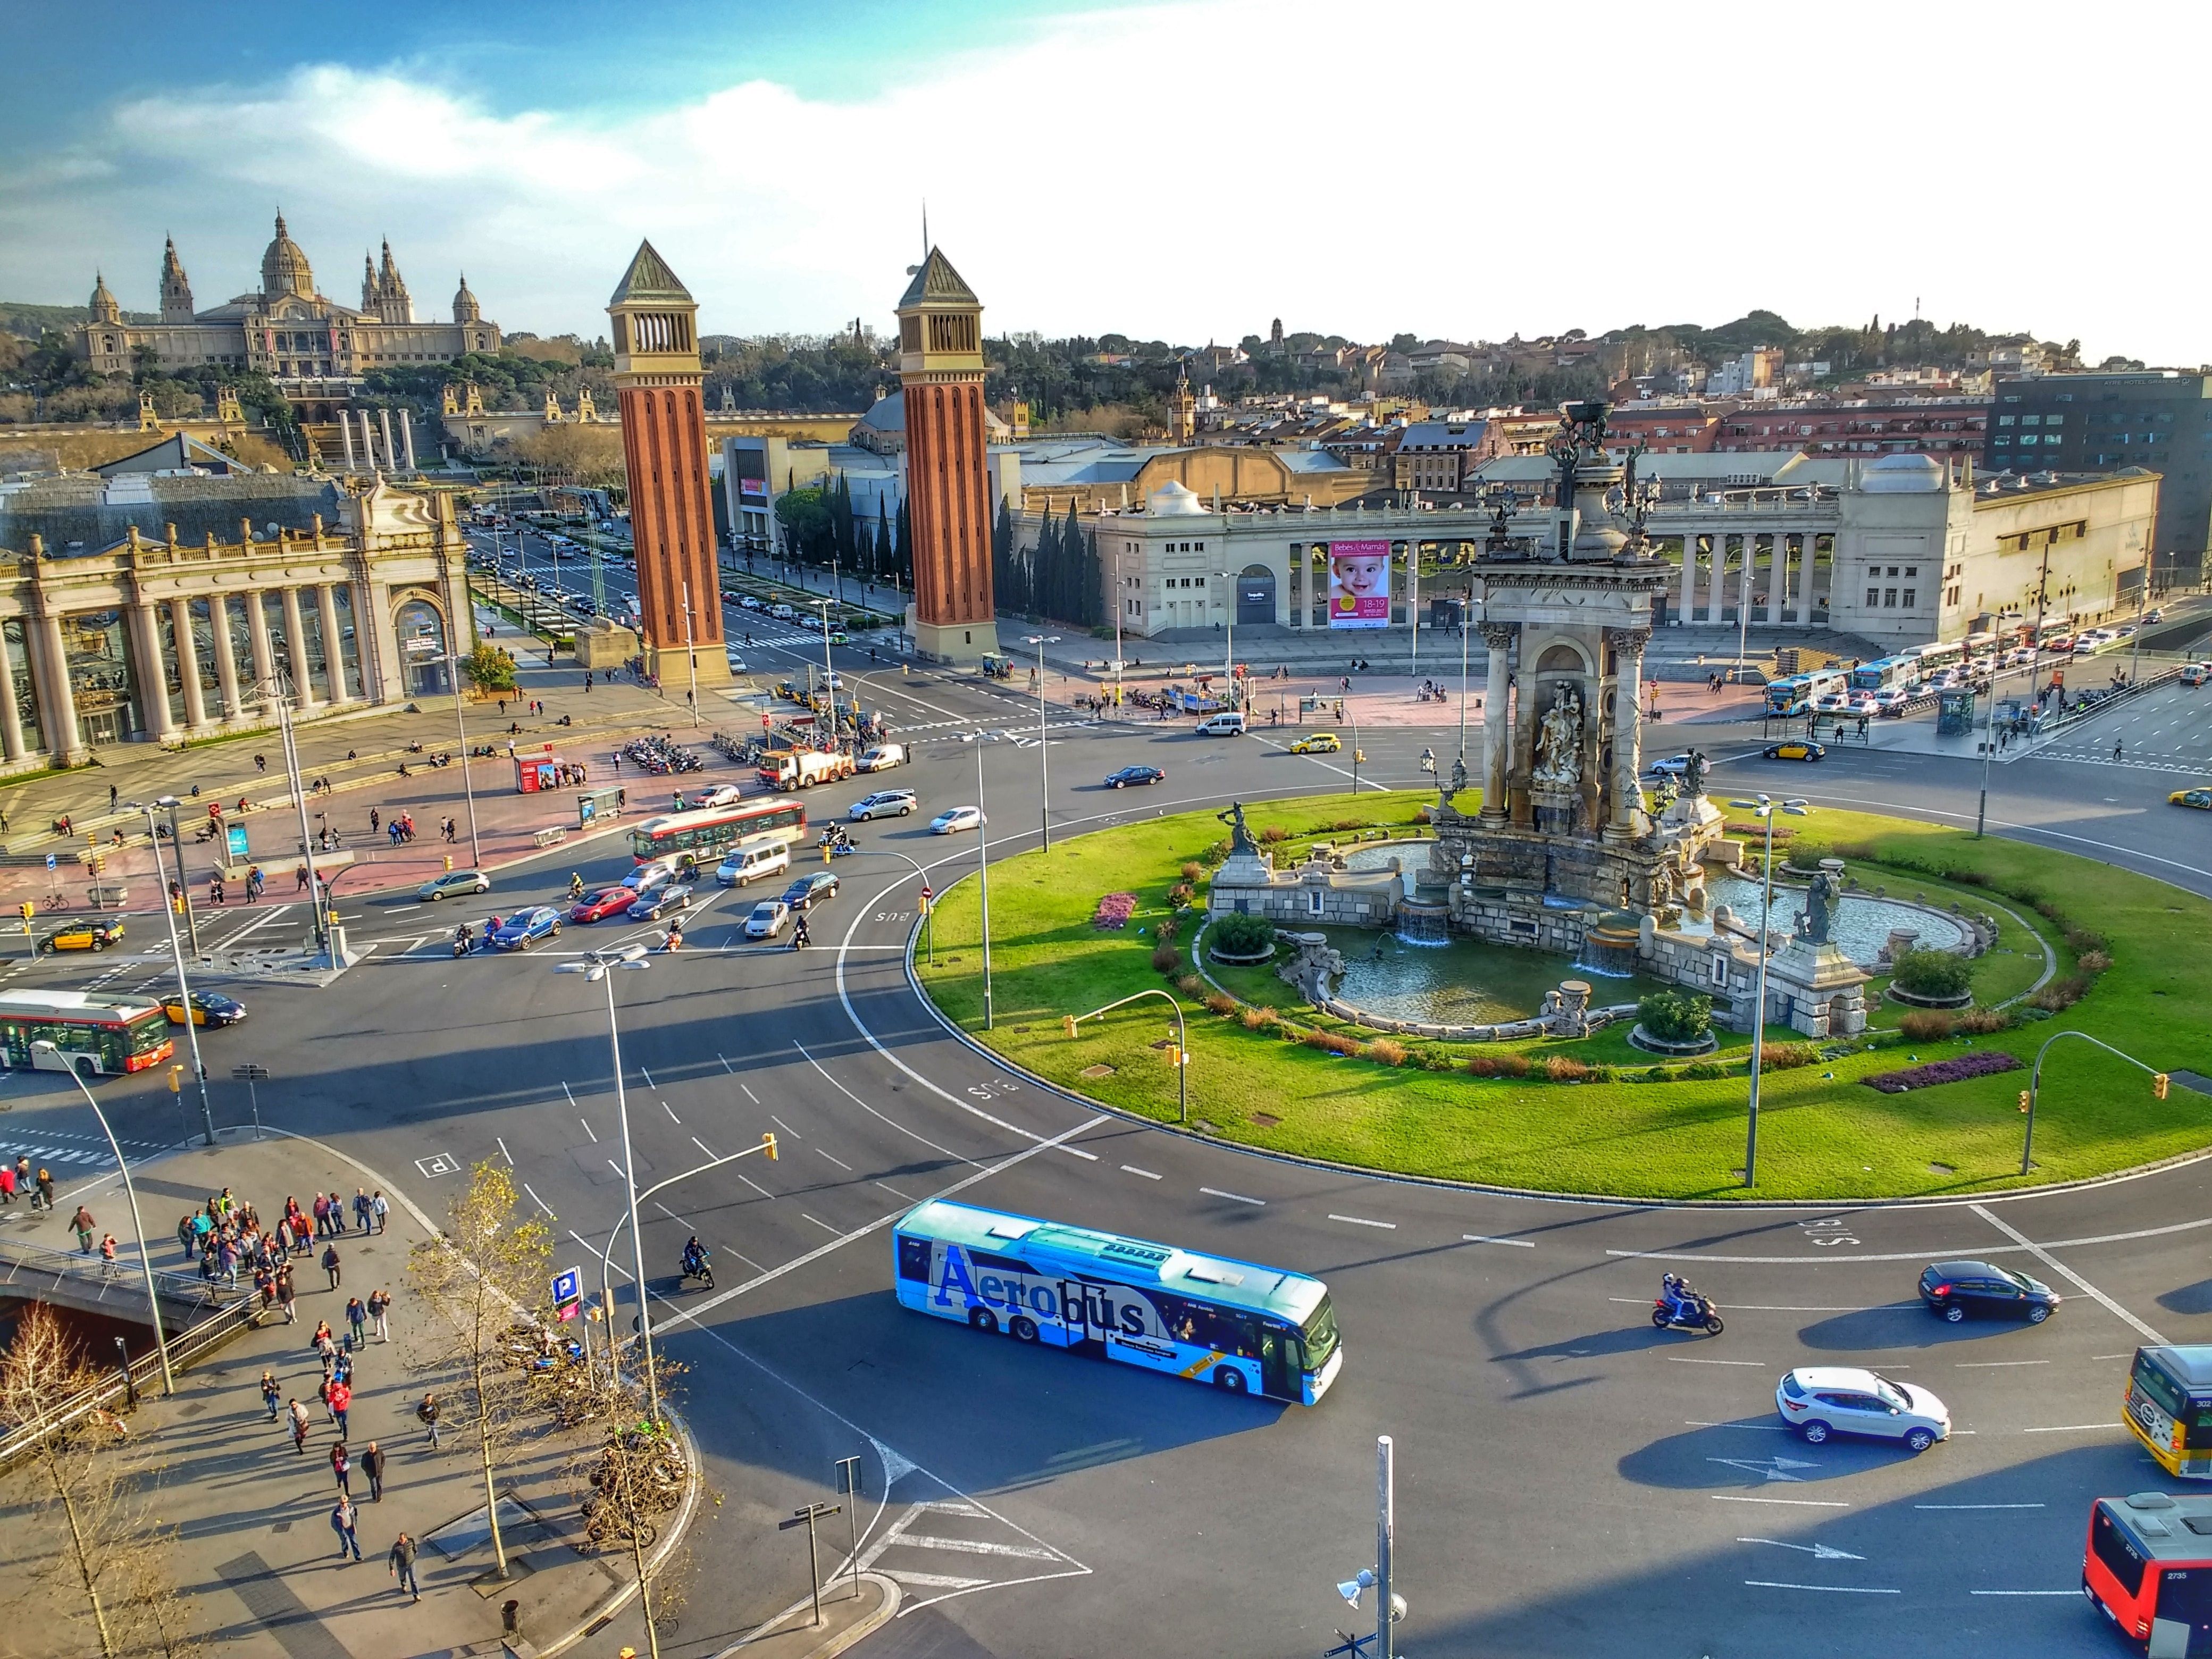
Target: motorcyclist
575,886
1682,1301
695,1257
799,937
465,940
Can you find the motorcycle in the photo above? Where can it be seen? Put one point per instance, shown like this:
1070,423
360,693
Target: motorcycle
700,1268
1679,1308
463,943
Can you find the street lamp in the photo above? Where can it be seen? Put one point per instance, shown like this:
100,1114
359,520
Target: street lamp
145,1255
1044,766
1389,1607
1762,808
829,674
691,654
599,968
1228,655
983,869
177,954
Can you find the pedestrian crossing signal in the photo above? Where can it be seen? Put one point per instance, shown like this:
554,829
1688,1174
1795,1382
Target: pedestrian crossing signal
767,1145
176,1079
2158,1085
26,910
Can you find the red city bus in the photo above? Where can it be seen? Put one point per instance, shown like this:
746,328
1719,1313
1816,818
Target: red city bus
702,834
2149,1568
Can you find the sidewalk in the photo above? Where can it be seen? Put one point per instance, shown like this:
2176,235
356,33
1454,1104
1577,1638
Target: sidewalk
255,1547
850,1612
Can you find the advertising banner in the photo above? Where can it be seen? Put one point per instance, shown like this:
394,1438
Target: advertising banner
753,490
1359,584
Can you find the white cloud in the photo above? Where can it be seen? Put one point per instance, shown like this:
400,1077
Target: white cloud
1191,171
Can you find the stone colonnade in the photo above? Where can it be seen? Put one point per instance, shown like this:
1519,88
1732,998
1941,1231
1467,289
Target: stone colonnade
1790,554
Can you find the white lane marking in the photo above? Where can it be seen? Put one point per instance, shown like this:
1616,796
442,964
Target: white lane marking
1077,1151
1995,1364
839,1162
1362,1221
2057,1266
818,1222
1763,1428
2023,1592
538,1201
750,1095
564,1089
1234,1198
892,1190
1792,1503
1684,1359
931,1580
671,1214
755,1185
504,1153
703,1145
615,1167
1817,1551
1978,1506
1829,1589
670,1110
726,1066
587,1129
2111,1356
649,1083
1922,1255
2075,1428
1131,1168
976,1546
1517,1243
778,1122
924,1139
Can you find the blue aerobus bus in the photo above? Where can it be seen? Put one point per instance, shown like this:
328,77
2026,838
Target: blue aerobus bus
1791,697
1883,672
1244,1328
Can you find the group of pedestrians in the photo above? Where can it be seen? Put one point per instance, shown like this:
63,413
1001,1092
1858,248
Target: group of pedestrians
20,1182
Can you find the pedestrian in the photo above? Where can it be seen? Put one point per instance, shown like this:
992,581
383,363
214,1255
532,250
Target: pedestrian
357,1316
427,1414
84,1224
23,1177
375,821
377,1205
7,1183
341,1403
372,1465
113,793
261,763
299,879
401,1565
379,1305
299,1414
107,1252
361,1208
2117,744
342,1467
285,1298
270,1393
341,1522
330,1263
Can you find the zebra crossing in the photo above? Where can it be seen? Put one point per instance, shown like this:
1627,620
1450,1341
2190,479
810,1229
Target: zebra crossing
64,1147
952,1545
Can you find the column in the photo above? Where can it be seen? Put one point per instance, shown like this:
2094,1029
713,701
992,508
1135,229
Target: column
62,740
1812,555
1684,613
264,658
384,423
1715,576
407,438
1497,731
1627,646
11,714
333,648
1750,563
145,645
188,663
1778,576
296,651
225,655
345,431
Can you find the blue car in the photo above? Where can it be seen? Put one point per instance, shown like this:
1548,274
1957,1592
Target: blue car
520,932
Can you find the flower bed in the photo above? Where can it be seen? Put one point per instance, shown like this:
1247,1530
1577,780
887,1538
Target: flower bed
1115,910
1981,1063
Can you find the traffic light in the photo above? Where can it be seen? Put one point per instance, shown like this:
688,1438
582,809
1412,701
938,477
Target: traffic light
1174,1056
2023,1100
2158,1085
1067,1024
176,1079
26,910
767,1145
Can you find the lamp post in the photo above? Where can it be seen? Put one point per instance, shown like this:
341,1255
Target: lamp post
1763,808
184,882
828,675
1389,1607
1044,766
281,686
1182,1041
1120,605
599,968
1229,654
177,954
145,1255
690,654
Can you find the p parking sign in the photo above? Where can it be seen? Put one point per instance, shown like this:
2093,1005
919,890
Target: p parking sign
567,1287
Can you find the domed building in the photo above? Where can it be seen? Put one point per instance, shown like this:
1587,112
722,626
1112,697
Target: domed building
316,349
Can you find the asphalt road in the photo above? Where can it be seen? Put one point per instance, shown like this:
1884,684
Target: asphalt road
1571,1480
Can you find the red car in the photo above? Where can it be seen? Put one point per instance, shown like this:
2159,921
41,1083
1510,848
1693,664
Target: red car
607,901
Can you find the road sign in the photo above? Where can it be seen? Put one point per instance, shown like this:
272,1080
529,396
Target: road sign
927,892
568,1286
51,860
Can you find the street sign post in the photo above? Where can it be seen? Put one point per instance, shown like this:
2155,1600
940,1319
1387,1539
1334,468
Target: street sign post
929,919
807,1518
848,1486
568,1291
250,1075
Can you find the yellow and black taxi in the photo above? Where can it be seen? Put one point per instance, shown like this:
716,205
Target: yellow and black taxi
209,1008
2199,799
1317,743
93,933
1796,749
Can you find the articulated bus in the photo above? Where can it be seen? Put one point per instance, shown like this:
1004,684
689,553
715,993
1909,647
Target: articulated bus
1792,698
2148,1567
1245,1329
2169,1408
1882,673
702,834
90,1034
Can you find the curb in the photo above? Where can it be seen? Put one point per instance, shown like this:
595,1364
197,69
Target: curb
829,1646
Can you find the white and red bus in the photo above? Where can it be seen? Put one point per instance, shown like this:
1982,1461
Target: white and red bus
701,835
92,1033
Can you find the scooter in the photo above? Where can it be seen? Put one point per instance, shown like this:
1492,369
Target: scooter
702,1270
463,943
1679,1308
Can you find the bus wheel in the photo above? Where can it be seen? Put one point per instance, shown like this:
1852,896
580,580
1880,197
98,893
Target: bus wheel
983,1320
1024,1328
86,1067
1230,1378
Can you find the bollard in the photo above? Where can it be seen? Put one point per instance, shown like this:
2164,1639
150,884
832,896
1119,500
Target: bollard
510,1619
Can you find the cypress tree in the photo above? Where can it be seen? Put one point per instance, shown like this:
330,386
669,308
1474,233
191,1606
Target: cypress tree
1069,593
903,548
879,557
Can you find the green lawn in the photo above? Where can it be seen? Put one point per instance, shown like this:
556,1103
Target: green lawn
1821,1135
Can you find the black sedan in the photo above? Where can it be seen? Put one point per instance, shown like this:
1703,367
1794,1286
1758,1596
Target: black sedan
1956,1289
810,890
1129,775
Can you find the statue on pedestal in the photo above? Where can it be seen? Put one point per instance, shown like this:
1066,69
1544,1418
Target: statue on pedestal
1241,844
1558,739
1816,921
1693,773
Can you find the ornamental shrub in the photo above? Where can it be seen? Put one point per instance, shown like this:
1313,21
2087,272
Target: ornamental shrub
1980,1063
2093,962
1806,854
1273,835
2060,993
1559,1068
1331,1042
1933,974
1240,936
1980,1022
1165,957
1221,1002
1192,870
1385,1051
1178,894
1786,1056
1706,1070
1675,1016
1190,985
1498,1065
1926,1024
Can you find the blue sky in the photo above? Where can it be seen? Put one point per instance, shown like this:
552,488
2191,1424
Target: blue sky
1178,168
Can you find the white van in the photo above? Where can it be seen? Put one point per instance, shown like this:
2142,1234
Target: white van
749,861
882,758
1227,723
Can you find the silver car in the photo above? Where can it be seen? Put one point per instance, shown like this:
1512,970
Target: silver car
884,804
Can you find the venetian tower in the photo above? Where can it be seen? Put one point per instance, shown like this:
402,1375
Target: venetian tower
948,490
658,377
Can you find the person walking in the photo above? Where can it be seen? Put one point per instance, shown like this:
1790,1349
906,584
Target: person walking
270,1393
2118,743
357,1316
379,1309
286,1296
85,1225
427,1414
108,1253
341,1522
330,1263
375,821
379,1208
372,1465
23,1180
400,1563
7,1183
341,1398
299,1414
341,1468
361,1208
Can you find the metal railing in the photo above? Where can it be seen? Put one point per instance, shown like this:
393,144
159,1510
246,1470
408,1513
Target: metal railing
21,1261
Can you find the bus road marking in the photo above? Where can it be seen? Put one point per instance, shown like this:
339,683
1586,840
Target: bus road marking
1131,1169
1517,1243
2023,1592
1234,1198
978,1546
750,1095
1077,1151
839,1162
825,1226
1831,1589
670,1110
587,1125
2073,1428
1362,1221
1980,1506
1995,1364
703,1145
647,1076
438,1163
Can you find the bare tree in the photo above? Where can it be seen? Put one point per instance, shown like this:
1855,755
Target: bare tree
155,1619
486,1276
637,1471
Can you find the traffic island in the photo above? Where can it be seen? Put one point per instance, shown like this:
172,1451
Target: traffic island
1594,1113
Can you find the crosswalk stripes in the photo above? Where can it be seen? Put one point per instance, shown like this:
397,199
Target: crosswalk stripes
959,1551
2103,758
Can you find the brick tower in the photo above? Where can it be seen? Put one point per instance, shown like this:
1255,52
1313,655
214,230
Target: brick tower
657,376
948,491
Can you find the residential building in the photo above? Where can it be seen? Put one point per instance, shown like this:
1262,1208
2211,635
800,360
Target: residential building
1440,455
1868,426
1684,427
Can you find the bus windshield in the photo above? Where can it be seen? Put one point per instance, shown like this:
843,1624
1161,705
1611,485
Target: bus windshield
1320,1335
2151,1378
148,1034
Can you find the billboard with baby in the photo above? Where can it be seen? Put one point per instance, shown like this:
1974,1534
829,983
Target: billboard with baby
1358,584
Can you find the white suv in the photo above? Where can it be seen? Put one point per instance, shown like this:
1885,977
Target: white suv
1818,1401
